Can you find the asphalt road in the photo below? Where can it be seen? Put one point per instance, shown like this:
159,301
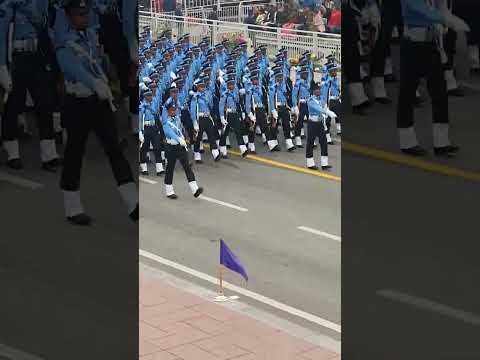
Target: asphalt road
67,292
294,267
410,267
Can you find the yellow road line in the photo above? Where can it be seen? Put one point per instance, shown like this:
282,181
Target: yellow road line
287,166
410,161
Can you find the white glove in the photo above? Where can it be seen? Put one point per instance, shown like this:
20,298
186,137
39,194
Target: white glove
455,22
5,80
195,126
252,117
140,137
243,116
224,122
330,113
182,142
102,89
295,110
171,142
242,91
275,114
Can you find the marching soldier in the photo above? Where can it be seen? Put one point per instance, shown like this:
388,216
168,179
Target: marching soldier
88,106
28,64
422,56
330,93
257,113
176,149
230,118
200,112
277,103
316,128
300,95
150,134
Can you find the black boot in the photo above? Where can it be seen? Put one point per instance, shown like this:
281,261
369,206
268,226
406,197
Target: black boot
198,192
80,219
134,214
50,166
15,164
414,151
446,151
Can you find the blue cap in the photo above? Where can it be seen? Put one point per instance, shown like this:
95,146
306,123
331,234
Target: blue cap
148,93
170,104
218,46
303,70
331,66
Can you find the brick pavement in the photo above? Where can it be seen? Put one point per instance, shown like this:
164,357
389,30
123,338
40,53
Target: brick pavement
177,325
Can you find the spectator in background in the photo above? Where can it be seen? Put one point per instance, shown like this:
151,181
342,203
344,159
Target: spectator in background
318,22
335,21
169,5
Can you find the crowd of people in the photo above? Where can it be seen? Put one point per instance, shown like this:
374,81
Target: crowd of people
300,15
427,33
195,92
55,53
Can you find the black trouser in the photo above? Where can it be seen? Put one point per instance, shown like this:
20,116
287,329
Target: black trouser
80,117
284,117
116,47
417,60
334,105
350,41
265,125
303,114
449,44
174,153
187,124
30,73
152,135
316,129
205,124
237,126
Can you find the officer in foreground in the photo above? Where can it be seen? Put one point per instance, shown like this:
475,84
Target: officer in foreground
88,106
176,149
316,128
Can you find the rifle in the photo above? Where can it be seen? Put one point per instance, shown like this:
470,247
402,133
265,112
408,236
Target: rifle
10,38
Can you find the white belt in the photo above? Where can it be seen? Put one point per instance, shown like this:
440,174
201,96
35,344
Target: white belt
302,101
149,122
25,45
419,34
203,114
315,118
231,110
77,89
280,104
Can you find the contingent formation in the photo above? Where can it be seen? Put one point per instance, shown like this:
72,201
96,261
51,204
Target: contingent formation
54,57
191,94
427,32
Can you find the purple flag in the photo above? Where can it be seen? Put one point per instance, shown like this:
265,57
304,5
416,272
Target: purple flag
230,261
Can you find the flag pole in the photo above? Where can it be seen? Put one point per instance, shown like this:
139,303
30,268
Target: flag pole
220,279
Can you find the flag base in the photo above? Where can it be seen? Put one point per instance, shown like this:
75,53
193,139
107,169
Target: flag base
223,298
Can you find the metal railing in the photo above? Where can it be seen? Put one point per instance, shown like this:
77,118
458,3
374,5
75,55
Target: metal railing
296,42
235,11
